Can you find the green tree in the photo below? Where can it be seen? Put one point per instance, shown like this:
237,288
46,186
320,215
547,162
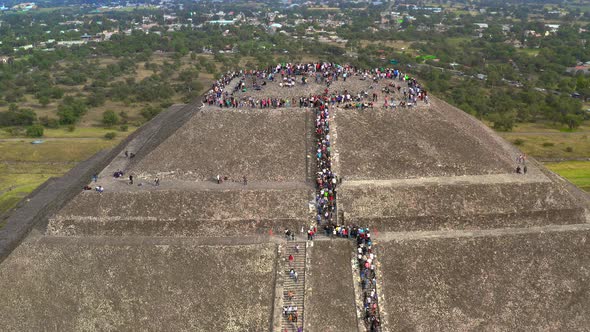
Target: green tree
35,130
573,121
503,121
70,110
110,118
150,112
110,135
44,101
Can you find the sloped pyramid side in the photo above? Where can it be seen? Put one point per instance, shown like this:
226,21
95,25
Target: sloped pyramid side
262,145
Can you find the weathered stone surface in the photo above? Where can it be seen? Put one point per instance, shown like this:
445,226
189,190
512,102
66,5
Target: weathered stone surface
68,285
439,141
259,144
536,281
330,307
183,213
431,206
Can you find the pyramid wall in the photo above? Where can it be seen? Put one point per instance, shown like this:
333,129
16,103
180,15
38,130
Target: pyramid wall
73,284
492,282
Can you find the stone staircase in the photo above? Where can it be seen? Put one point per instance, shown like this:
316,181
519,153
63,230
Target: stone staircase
289,284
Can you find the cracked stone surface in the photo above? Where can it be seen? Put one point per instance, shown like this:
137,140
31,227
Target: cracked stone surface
536,281
73,286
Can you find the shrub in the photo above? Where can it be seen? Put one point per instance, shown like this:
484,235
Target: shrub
124,128
35,130
124,117
71,110
569,149
110,135
548,144
518,141
110,118
71,128
17,117
15,131
49,122
150,112
165,104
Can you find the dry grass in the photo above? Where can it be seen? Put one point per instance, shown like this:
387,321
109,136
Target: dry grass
552,146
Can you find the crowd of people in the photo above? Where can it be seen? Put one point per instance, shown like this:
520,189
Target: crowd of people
326,180
366,262
290,311
323,73
326,183
218,92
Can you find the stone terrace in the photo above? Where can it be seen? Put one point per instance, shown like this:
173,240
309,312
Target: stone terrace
263,145
154,212
428,205
416,142
76,284
533,281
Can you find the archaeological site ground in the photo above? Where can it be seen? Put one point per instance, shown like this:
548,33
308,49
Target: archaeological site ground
462,242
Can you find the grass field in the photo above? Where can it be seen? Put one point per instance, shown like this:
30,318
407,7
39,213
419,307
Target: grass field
577,172
65,150
17,179
24,166
554,142
529,51
556,146
549,141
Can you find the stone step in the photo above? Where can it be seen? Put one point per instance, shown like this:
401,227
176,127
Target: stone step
288,284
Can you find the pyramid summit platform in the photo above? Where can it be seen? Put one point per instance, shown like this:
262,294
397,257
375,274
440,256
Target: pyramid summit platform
462,242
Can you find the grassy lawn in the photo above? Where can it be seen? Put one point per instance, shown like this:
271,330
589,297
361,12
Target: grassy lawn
457,41
550,141
17,179
24,166
552,146
577,172
84,132
18,186
395,44
529,51
52,151
547,127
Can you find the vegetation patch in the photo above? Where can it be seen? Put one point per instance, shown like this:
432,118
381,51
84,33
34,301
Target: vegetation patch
551,145
577,172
